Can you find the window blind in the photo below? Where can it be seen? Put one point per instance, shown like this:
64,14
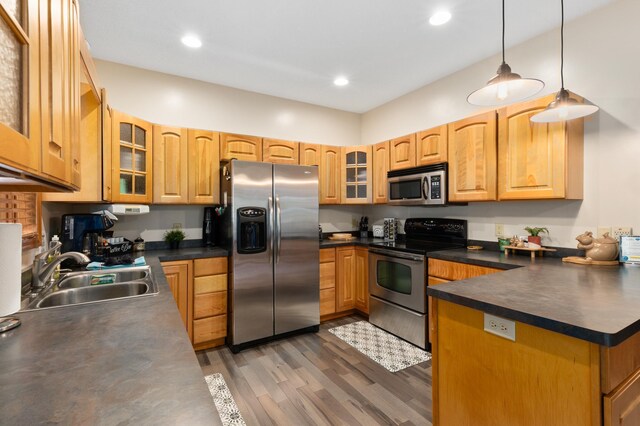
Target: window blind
24,208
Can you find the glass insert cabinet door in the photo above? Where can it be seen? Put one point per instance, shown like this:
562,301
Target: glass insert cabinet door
356,175
20,143
131,148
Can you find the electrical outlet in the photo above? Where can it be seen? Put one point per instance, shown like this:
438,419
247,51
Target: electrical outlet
620,231
499,230
603,230
500,326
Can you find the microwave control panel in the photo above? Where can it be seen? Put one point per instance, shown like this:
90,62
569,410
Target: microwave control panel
435,190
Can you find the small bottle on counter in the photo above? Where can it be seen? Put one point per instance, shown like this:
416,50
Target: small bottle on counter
138,245
54,240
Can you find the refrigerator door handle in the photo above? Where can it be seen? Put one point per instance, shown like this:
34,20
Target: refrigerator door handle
270,233
278,244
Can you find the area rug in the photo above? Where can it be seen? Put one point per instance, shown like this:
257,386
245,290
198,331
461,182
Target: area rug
226,405
389,351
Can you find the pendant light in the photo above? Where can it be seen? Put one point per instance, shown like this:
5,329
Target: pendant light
563,107
505,87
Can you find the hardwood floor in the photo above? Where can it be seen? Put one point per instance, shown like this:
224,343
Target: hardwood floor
317,379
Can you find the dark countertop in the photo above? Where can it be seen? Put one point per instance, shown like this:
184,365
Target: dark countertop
116,362
600,304
187,253
362,242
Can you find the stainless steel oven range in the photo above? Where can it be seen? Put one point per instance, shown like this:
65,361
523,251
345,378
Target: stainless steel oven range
397,276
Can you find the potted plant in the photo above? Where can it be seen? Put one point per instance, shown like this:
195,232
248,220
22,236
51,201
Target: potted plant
534,234
173,237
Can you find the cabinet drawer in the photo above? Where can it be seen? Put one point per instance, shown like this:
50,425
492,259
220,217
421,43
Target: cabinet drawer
435,281
454,271
327,301
209,284
327,255
209,329
209,304
619,362
327,275
622,407
214,265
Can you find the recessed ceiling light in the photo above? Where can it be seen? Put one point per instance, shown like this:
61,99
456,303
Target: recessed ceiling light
439,18
341,81
191,41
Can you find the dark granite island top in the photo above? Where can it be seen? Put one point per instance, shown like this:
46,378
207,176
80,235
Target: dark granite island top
116,362
599,304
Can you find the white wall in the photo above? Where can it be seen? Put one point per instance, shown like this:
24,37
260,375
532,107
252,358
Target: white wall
602,63
171,100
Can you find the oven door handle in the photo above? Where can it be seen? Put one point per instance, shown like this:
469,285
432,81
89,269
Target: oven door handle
425,187
397,254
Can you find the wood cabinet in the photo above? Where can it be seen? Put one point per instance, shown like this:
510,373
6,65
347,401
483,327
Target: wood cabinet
131,159
200,289
280,151
91,136
209,302
380,159
204,166
178,276
622,407
241,147
107,142
538,160
21,139
431,146
443,271
402,152
329,174
472,158
310,154
356,175
170,165
327,281
345,278
60,91
362,280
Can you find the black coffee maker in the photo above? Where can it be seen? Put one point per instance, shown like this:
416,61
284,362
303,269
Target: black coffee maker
80,232
209,225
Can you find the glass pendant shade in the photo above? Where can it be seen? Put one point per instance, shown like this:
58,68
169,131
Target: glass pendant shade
505,88
564,108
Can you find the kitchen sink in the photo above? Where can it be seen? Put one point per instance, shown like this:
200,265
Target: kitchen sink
74,296
96,286
91,278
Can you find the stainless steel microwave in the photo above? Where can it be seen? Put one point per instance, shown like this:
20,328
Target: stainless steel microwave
424,185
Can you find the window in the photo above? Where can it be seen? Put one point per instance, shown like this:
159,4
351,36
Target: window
24,208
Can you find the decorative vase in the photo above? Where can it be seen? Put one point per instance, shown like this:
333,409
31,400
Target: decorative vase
174,245
535,240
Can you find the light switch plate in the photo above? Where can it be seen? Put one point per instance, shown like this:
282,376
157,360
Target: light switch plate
500,326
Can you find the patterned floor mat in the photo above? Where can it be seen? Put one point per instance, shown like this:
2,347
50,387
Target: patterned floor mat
226,405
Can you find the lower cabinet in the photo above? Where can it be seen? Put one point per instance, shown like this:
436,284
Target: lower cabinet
344,281
200,289
443,271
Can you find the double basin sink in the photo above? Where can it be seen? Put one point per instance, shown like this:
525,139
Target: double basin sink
96,286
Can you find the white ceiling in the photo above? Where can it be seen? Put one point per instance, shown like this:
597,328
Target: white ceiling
295,48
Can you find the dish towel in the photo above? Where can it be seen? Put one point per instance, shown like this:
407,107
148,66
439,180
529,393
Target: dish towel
94,266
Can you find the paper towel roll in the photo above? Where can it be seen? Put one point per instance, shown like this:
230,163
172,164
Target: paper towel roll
10,265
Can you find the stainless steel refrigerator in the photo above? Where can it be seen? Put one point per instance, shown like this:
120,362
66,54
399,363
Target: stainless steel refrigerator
270,227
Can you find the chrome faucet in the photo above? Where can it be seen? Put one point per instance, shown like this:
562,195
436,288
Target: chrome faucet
42,271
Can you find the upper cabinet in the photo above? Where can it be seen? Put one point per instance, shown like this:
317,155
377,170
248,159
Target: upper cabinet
402,152
472,158
240,147
329,174
431,146
170,164
356,175
310,154
538,160
380,159
279,151
204,167
60,87
131,148
20,108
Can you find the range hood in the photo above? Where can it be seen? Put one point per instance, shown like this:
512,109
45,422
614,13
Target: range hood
128,209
